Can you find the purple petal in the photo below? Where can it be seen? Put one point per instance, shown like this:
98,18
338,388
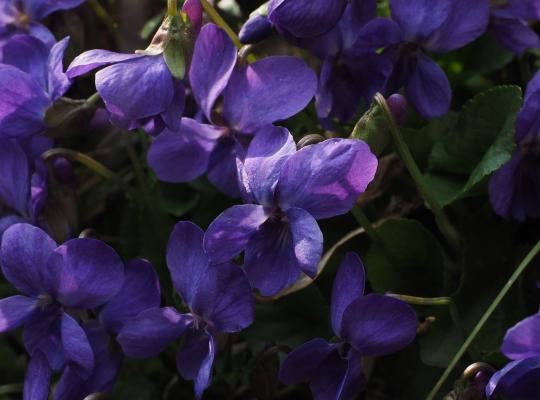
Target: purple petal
139,292
183,156
15,310
517,380
230,232
194,11
513,34
305,18
91,273
427,88
194,361
325,179
41,32
38,378
39,9
7,221
24,254
172,116
377,325
256,29
14,181
376,34
307,240
42,332
269,90
348,286
92,59
300,364
523,339
77,347
267,152
151,332
29,54
58,82
222,168
213,61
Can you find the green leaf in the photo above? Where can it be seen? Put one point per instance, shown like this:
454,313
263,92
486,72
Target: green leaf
409,260
151,25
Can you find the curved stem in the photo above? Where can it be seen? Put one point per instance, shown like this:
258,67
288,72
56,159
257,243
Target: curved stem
172,7
365,223
94,99
519,270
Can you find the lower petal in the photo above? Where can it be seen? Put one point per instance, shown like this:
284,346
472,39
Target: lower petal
38,378
300,365
77,347
307,240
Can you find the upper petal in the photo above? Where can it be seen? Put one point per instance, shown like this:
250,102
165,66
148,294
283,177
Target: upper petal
269,90
307,240
39,9
228,235
514,34
214,58
38,378
91,273
301,363
418,19
15,310
523,339
325,179
77,348
92,59
139,292
348,286
377,325
15,178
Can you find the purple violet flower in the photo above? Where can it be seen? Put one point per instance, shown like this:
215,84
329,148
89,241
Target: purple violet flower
31,79
438,26
254,97
23,16
219,299
286,191
60,283
370,325
519,379
509,24
514,189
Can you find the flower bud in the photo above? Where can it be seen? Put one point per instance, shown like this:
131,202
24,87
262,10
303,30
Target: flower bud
398,105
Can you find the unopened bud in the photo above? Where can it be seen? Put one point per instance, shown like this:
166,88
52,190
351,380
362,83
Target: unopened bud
398,105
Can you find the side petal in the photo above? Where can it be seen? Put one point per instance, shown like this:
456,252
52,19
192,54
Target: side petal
307,240
228,235
517,380
269,90
39,9
152,331
222,168
139,292
523,339
214,58
23,256
92,59
503,196
76,346
348,286
418,19
58,82
14,181
325,179
194,361
15,310
265,156
377,325
514,35
427,88
183,156
91,273
300,364
38,378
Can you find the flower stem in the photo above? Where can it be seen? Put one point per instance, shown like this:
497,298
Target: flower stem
172,7
365,223
519,270
219,21
440,217
94,99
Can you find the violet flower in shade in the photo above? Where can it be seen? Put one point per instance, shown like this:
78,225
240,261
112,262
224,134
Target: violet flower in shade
438,26
519,379
287,191
370,325
31,80
509,24
254,96
219,298
139,89
59,283
23,16
514,189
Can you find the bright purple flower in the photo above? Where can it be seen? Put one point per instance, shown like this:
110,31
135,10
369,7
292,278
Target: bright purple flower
370,325
438,26
287,191
59,284
514,190
519,379
254,96
23,16
31,80
218,296
509,24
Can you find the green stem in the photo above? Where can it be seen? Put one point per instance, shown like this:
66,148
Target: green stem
94,99
11,388
135,162
506,288
103,15
219,21
440,217
172,7
365,223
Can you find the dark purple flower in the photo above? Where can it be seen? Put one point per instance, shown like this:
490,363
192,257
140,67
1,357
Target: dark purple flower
438,26
60,283
287,191
254,97
514,190
519,379
31,80
509,24
218,296
370,325
23,16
